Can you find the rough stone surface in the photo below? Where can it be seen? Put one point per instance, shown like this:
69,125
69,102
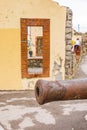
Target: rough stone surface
68,37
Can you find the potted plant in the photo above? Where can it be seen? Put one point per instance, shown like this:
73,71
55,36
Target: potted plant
30,53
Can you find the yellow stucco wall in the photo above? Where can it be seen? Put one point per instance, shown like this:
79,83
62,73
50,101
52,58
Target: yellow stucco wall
10,48
10,74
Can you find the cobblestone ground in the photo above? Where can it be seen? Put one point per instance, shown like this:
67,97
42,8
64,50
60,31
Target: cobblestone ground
82,68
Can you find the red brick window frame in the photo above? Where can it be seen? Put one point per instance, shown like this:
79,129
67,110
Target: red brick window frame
45,23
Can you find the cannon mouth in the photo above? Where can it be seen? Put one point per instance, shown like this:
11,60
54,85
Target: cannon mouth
39,92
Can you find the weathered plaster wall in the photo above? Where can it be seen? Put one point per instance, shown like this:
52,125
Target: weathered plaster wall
10,52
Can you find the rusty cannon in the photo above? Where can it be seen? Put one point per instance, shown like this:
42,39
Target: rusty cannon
48,91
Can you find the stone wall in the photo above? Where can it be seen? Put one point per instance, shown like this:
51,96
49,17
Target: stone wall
85,44
71,58
68,38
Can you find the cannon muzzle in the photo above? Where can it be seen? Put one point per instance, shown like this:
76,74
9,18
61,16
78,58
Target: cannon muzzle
48,91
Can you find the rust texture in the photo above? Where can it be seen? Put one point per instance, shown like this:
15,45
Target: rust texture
48,91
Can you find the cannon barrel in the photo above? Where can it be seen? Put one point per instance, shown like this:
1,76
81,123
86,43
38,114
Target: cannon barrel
48,91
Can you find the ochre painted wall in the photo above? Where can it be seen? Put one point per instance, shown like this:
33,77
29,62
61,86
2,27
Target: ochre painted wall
10,66
10,49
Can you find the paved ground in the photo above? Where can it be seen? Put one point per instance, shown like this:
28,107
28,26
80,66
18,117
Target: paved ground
82,68
20,111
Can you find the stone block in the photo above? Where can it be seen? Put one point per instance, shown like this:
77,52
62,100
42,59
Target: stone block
68,47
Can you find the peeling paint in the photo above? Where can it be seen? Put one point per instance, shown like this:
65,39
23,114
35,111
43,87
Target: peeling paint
21,99
85,117
69,108
27,122
48,118
10,113
1,128
72,128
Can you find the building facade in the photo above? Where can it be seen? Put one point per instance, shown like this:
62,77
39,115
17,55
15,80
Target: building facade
37,25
